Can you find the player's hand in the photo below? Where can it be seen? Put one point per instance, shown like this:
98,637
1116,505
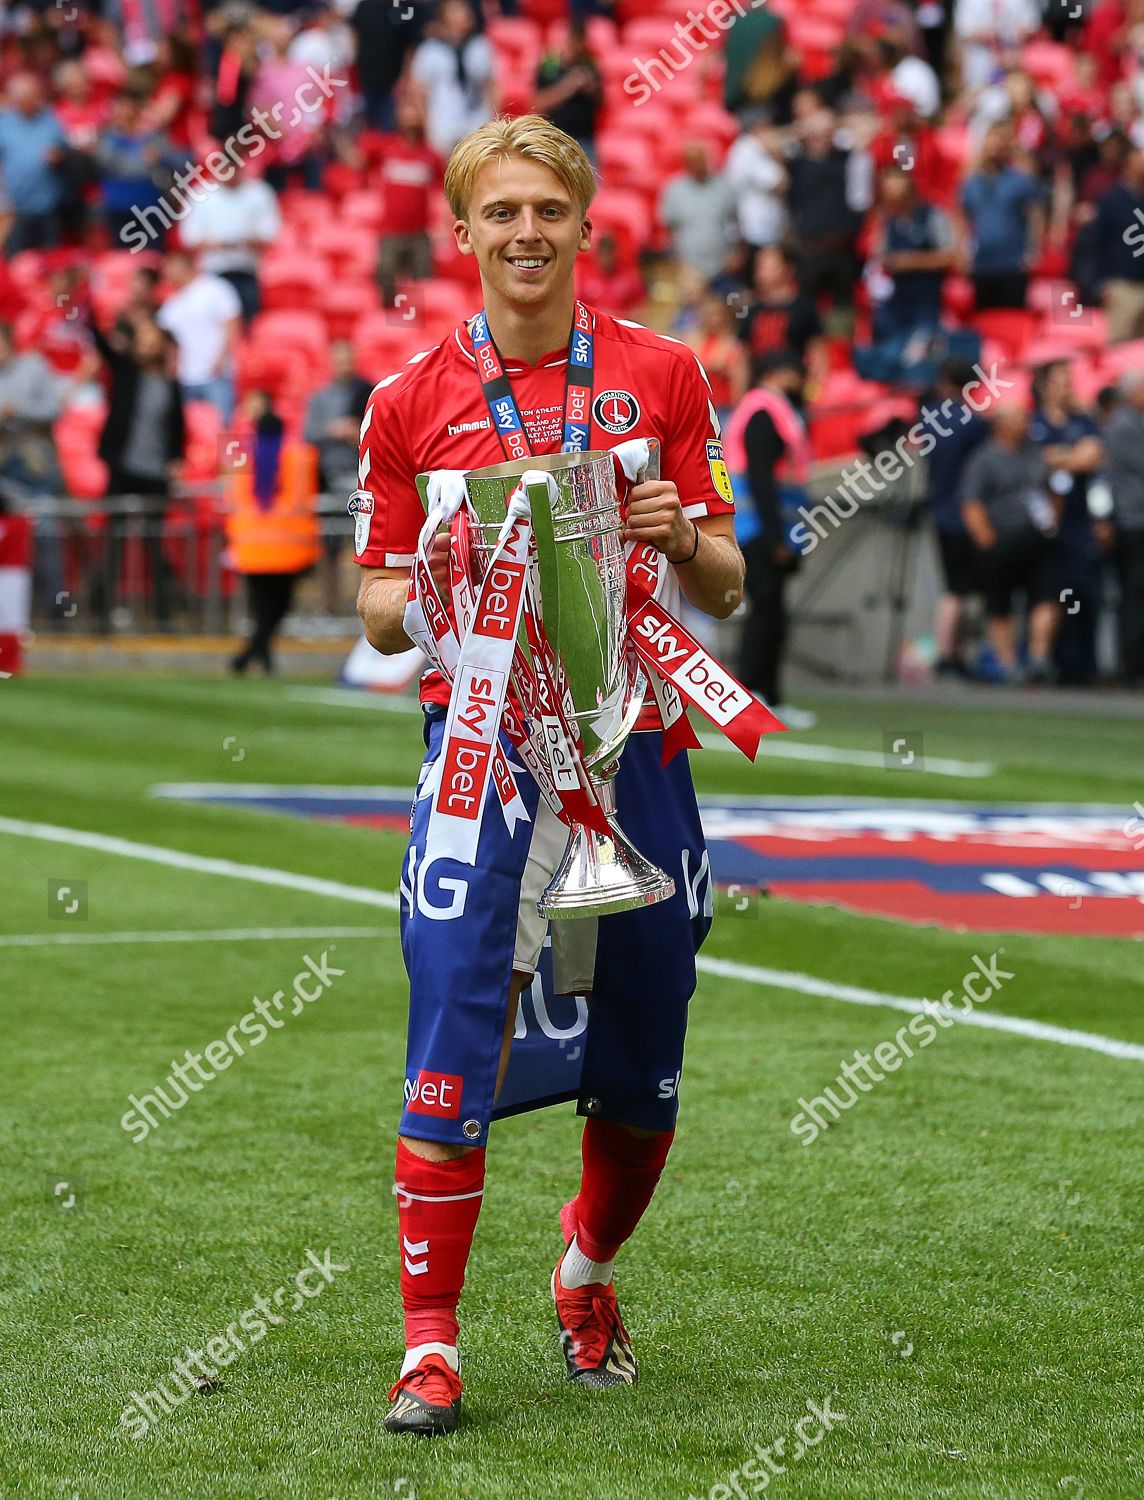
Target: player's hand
655,516
439,562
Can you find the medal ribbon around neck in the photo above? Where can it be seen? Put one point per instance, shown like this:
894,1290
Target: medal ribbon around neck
507,422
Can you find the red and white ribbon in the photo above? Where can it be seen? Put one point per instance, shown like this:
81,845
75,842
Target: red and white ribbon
672,651
428,625
480,692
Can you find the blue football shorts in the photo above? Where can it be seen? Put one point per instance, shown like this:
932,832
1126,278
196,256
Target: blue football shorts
604,1020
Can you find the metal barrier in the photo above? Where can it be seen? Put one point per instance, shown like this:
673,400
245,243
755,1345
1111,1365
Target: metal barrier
136,565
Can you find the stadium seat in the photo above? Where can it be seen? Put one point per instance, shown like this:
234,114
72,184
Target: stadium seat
446,301
626,216
382,346
602,34
624,160
204,424
517,40
1121,358
543,12
290,280
343,304
645,36
712,122
363,207
289,329
344,245
1014,328
1088,330
1046,348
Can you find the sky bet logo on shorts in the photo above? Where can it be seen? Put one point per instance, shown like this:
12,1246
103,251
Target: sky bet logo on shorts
435,1094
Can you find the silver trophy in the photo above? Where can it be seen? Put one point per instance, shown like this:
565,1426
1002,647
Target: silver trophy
580,598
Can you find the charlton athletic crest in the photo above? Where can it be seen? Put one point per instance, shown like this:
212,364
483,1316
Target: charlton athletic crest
616,411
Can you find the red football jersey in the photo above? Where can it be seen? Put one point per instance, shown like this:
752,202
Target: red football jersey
432,415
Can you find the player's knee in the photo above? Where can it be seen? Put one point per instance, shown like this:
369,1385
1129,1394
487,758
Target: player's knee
435,1150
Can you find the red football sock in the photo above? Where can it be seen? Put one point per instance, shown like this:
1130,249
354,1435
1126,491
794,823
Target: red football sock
620,1175
437,1207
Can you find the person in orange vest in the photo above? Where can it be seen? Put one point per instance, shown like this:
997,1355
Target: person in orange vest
768,459
272,526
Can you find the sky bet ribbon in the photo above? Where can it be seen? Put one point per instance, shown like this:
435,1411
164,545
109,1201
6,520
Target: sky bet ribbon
503,410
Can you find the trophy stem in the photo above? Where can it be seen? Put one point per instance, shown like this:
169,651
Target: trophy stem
598,875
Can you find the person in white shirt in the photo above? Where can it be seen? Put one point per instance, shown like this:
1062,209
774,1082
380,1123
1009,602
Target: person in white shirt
988,32
759,179
203,314
229,229
455,67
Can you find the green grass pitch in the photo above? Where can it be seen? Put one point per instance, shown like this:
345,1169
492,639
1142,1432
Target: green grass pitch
957,1263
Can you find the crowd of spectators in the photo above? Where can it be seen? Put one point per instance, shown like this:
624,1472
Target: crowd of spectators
879,188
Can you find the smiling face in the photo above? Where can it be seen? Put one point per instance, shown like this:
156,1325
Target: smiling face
525,229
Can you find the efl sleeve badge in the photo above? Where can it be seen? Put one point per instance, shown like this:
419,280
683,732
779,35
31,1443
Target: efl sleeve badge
719,476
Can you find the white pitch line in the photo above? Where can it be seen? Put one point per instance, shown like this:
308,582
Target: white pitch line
251,791
356,698
831,755
206,935
851,994
262,875
778,979
774,746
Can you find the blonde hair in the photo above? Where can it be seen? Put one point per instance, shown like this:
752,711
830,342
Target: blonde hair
530,136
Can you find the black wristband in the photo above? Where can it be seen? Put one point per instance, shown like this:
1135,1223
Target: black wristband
683,561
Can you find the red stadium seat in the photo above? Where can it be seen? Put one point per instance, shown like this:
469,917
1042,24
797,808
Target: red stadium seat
343,304
1087,329
363,207
645,37
625,160
517,41
204,424
446,301
601,32
544,12
1121,358
289,329
627,217
1012,327
344,244
712,122
289,280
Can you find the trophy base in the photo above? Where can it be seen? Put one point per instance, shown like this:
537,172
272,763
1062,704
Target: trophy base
599,876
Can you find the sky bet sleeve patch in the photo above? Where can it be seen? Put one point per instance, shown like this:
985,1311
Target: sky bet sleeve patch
719,476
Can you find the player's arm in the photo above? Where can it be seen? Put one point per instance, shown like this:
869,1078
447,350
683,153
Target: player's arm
696,533
381,604
703,551
388,517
